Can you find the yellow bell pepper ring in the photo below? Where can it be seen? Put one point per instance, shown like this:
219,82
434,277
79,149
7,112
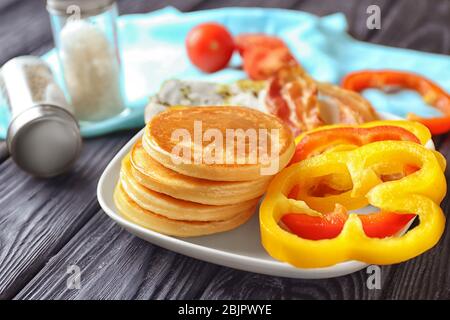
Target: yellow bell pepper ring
348,137
418,193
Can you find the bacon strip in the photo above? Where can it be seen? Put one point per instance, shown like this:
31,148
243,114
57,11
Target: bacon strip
299,100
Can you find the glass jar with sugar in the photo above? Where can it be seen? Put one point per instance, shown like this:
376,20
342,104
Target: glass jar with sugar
85,35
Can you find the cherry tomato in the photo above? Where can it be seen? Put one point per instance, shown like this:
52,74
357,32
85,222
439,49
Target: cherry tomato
209,46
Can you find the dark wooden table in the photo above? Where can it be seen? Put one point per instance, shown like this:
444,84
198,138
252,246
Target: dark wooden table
48,225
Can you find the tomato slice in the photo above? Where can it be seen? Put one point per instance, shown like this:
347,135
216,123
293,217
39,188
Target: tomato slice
261,63
375,225
263,55
247,41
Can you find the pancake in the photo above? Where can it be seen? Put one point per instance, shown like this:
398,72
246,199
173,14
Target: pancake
175,208
193,122
180,228
151,174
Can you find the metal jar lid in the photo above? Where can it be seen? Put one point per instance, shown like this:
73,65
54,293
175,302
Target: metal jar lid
86,7
44,140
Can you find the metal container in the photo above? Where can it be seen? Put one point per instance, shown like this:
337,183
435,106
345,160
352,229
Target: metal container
43,136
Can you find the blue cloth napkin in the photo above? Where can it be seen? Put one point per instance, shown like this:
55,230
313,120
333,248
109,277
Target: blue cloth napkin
152,47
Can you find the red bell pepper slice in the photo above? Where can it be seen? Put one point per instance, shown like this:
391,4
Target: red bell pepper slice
384,224
315,141
432,93
375,225
316,228
438,125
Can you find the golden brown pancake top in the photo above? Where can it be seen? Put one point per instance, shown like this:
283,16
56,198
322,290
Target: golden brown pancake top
161,127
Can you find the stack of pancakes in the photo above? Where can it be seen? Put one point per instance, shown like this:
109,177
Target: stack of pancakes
193,198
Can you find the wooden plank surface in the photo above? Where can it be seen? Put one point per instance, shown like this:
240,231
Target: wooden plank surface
38,216
48,225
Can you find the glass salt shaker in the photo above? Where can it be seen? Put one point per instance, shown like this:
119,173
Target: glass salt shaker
85,35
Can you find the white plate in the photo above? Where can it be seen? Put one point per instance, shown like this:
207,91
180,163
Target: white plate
240,248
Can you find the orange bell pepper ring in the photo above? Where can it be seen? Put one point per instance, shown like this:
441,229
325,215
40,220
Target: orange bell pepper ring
431,93
318,141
